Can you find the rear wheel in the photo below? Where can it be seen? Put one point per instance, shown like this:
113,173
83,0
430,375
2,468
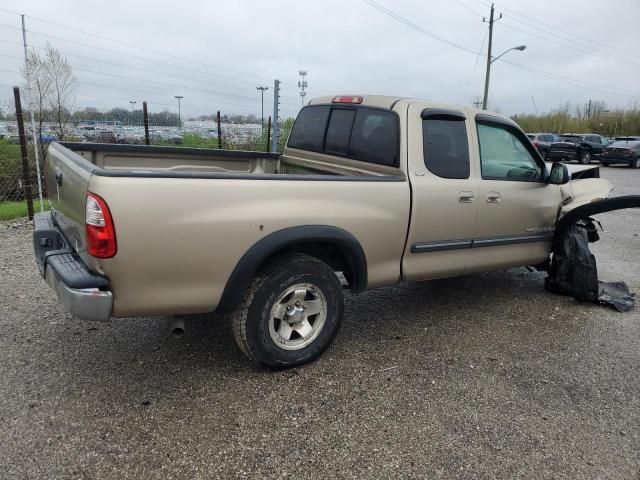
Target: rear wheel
290,313
585,157
635,163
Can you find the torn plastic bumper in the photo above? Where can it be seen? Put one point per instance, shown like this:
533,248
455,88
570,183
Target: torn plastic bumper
573,269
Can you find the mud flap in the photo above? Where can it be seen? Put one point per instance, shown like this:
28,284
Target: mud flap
573,269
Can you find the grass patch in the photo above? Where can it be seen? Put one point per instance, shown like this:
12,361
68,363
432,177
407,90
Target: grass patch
11,210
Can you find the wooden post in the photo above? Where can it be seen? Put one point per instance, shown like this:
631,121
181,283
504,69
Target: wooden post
269,134
26,178
219,130
145,115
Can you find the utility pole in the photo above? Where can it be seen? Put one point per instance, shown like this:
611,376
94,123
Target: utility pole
589,109
488,74
302,84
276,119
477,103
179,97
32,109
262,89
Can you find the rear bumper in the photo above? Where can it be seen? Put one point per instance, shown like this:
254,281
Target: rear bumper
612,159
82,293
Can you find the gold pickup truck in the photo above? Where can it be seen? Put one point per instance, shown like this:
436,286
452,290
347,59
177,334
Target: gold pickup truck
376,189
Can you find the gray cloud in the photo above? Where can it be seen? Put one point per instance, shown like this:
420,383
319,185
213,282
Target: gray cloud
216,53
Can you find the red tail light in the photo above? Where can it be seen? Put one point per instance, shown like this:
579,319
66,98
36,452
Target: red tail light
536,143
101,234
345,99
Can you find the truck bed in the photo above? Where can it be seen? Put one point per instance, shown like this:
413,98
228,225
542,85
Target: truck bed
142,160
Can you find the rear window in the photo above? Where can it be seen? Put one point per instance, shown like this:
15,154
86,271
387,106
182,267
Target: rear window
339,131
625,144
308,131
569,138
362,133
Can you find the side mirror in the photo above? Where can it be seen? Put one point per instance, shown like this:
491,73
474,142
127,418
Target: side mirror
559,174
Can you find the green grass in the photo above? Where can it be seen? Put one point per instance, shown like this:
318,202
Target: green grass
11,210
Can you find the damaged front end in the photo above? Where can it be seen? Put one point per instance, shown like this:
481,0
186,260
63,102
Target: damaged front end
573,269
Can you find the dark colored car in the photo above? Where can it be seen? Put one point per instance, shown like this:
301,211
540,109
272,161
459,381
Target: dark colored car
542,142
579,147
623,151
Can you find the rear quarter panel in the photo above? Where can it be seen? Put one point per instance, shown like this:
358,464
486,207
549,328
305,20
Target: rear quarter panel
179,239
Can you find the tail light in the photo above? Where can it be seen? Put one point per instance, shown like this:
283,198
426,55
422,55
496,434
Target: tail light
536,143
347,99
101,234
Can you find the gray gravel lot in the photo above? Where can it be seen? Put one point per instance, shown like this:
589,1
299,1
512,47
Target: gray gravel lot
484,376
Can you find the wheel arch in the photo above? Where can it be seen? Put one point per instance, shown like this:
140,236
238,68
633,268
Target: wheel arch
334,246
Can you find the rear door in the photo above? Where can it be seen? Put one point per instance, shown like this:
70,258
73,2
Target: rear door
517,209
67,180
444,193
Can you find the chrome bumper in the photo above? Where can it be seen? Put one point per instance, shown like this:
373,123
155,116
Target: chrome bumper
81,292
86,304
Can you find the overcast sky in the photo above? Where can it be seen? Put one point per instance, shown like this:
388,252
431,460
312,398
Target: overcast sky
215,53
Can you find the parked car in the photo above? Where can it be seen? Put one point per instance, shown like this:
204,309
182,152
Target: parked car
542,141
579,147
622,151
628,137
380,189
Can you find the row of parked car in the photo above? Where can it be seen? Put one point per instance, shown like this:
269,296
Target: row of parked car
584,148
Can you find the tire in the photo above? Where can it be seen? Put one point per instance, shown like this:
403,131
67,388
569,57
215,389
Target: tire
296,283
585,157
635,163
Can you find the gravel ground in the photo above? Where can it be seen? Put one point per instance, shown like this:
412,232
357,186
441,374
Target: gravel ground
483,376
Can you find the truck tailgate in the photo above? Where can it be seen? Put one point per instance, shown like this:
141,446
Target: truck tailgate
67,176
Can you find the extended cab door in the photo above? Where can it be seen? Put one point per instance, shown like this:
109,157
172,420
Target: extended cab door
444,193
517,209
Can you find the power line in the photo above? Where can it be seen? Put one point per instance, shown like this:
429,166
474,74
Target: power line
594,43
475,65
131,45
574,47
418,28
543,73
459,2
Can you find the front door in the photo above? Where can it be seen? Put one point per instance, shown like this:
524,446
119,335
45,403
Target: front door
517,209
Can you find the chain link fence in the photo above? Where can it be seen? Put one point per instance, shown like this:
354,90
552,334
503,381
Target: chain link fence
236,133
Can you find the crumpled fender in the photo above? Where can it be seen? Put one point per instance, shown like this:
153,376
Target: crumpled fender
593,208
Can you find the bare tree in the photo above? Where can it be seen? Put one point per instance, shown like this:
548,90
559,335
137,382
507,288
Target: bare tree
40,91
61,98
52,87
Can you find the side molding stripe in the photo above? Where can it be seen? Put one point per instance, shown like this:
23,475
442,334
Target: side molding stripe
443,245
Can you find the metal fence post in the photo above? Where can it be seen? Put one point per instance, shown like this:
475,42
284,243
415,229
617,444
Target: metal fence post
26,178
268,133
276,119
219,130
145,115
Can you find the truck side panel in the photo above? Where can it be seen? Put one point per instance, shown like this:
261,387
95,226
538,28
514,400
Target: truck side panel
179,240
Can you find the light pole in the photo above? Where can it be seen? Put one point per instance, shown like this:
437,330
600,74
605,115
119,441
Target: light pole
262,89
490,60
179,97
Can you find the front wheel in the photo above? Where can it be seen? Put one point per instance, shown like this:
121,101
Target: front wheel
585,158
290,313
635,163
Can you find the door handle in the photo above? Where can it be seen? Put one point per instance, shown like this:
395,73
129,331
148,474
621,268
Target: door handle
493,197
466,197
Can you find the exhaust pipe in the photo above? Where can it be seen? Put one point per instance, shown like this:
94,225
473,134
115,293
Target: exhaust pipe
177,327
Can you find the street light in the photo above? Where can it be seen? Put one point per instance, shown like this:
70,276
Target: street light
179,97
486,80
262,89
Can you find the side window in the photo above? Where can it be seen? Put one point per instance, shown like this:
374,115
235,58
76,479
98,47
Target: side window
339,131
503,156
308,131
596,139
445,147
374,137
